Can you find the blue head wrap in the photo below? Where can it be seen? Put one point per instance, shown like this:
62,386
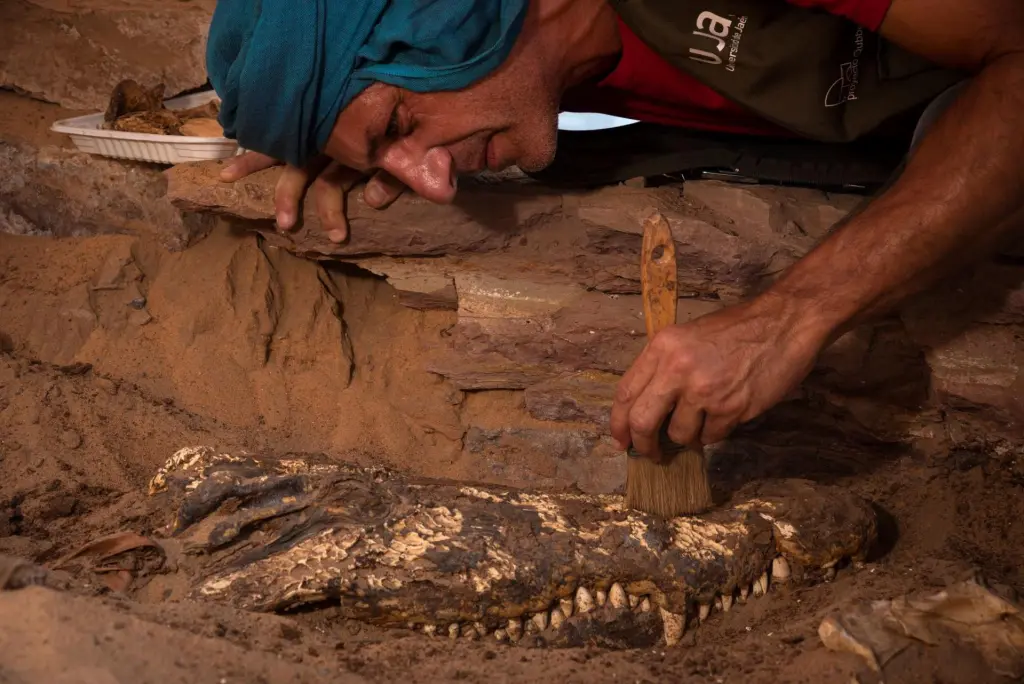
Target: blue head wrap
284,69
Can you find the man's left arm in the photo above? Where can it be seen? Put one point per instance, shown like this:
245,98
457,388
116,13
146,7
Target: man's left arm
962,188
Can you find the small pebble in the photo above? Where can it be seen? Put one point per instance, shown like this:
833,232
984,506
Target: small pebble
107,385
61,506
138,303
70,439
140,317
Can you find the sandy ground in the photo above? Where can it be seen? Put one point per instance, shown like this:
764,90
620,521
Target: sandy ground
113,355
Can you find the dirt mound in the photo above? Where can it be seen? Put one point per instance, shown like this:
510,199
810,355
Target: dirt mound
80,434
233,329
115,353
73,443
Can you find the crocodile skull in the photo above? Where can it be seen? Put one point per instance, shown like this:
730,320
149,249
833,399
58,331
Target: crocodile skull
562,568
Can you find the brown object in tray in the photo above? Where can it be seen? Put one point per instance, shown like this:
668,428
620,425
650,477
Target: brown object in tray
135,109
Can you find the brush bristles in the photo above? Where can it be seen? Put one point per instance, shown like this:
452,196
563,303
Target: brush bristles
679,487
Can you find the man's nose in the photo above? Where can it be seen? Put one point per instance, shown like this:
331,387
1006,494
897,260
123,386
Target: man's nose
430,174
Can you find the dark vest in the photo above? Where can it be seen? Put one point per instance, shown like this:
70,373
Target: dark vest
816,74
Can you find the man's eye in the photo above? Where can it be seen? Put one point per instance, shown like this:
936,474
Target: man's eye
392,129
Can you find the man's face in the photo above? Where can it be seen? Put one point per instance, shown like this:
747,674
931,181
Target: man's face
426,140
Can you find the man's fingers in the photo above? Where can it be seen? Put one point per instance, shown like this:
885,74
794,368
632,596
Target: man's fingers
331,189
244,165
687,425
630,387
291,187
646,417
382,190
717,428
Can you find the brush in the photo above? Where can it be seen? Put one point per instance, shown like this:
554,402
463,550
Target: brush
678,484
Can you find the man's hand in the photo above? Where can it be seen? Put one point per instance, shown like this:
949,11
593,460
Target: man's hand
331,183
712,374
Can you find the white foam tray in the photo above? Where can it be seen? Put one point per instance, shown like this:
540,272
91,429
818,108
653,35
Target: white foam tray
88,136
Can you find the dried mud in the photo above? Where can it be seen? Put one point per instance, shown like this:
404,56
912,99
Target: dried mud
114,354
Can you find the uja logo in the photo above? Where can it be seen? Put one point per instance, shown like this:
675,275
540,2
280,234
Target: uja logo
717,32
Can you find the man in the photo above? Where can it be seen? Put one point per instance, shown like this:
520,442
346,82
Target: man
416,92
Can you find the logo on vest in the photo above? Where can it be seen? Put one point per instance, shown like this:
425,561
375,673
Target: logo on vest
844,89
722,32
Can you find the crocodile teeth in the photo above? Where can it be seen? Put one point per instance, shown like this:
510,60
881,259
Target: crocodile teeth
557,618
566,606
744,593
673,626
634,601
514,629
645,605
718,604
584,600
617,596
830,573
501,634
454,630
780,569
540,621
727,603
481,630
705,611
602,597
430,630
761,585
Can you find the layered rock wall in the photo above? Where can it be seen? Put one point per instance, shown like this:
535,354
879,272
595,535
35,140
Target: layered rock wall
47,187
71,54
489,340
546,291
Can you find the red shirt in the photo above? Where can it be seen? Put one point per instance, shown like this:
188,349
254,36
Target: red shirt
645,87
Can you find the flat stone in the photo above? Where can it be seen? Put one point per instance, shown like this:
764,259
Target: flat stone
486,220
769,212
970,331
982,366
584,397
588,238
730,254
488,372
58,191
553,457
514,324
421,284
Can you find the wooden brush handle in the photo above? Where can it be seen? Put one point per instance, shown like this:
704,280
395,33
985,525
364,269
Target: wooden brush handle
658,280
658,274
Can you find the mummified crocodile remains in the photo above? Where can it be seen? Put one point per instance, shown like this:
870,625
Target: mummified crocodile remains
272,534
